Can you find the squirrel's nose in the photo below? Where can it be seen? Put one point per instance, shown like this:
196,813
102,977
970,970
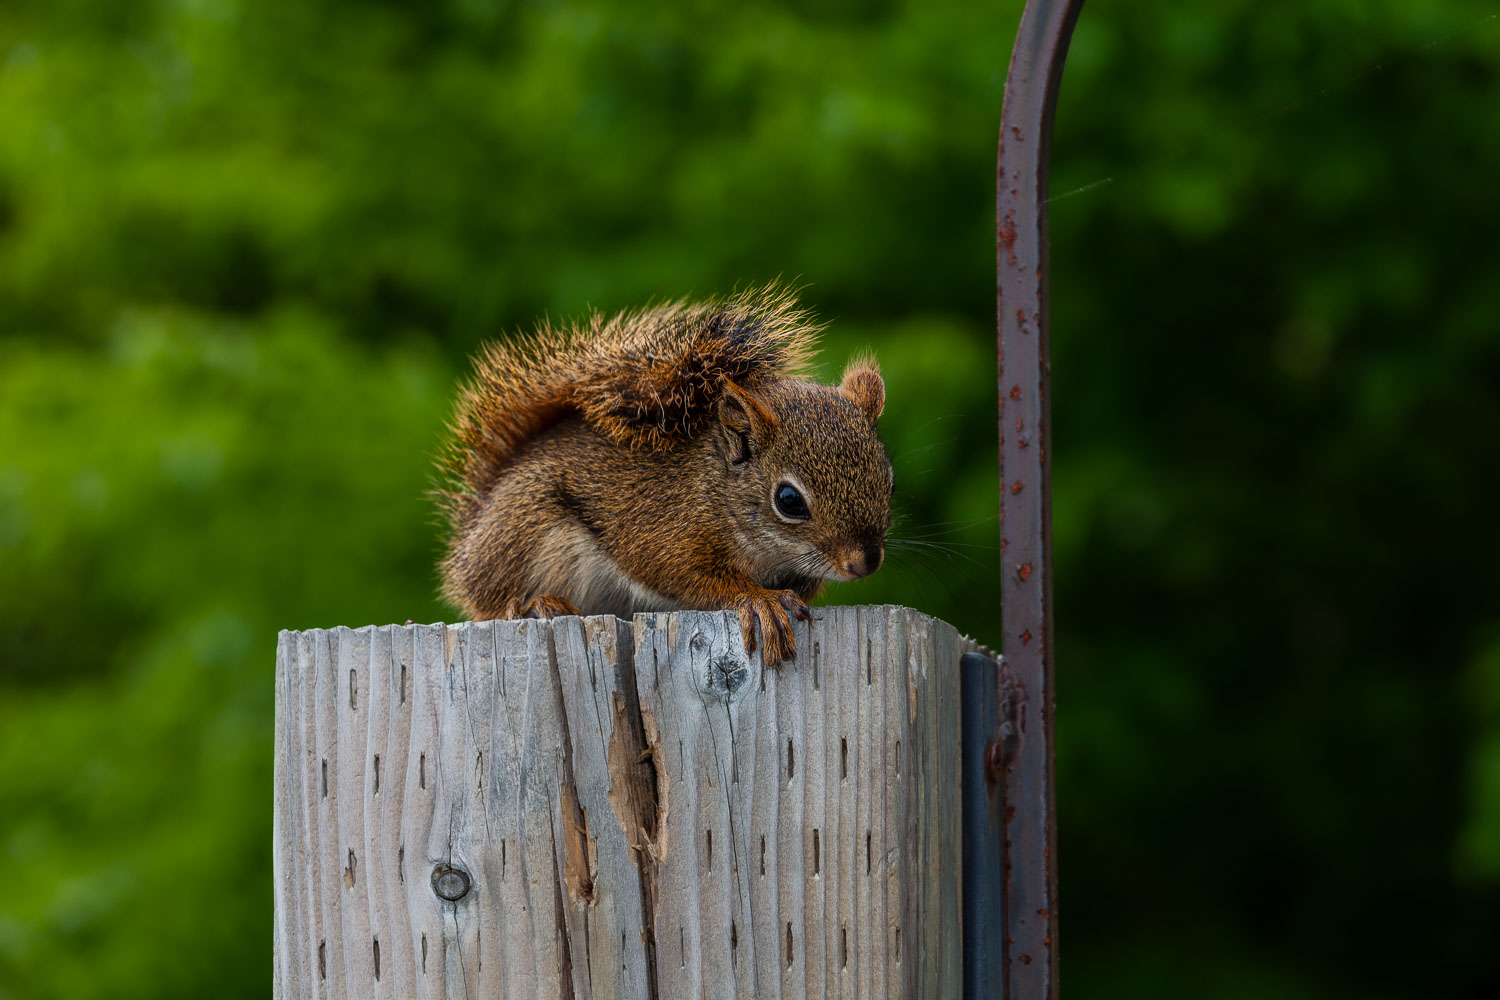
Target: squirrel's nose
864,562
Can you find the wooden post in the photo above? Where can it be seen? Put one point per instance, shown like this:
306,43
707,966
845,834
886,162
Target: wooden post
593,808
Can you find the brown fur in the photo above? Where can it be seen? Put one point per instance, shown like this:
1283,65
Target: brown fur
604,469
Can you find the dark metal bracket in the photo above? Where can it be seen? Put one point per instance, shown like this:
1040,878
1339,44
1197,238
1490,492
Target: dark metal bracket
982,744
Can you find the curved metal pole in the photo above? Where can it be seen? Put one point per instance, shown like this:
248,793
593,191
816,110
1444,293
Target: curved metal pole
1026,496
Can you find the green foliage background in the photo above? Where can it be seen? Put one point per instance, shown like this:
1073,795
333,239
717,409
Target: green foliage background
246,247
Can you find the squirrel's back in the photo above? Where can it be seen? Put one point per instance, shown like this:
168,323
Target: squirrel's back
645,379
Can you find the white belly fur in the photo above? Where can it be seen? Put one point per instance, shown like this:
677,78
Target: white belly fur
586,575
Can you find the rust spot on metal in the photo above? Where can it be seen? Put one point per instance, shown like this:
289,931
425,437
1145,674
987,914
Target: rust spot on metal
1006,234
1025,637
1024,572
1015,392
1015,133
1016,488
1021,319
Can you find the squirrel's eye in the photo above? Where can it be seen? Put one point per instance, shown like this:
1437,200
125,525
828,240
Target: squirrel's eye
790,503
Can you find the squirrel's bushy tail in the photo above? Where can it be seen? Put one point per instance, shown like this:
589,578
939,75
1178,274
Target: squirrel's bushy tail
645,379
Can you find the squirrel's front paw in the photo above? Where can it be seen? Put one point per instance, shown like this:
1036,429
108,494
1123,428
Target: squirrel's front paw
775,610
541,606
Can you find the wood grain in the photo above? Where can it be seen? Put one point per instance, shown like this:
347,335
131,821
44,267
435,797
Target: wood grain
640,809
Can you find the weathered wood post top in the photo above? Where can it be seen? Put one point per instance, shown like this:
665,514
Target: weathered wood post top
589,807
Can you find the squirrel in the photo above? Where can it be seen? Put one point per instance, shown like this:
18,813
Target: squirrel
670,458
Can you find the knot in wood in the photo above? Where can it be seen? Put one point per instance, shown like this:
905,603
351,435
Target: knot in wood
727,674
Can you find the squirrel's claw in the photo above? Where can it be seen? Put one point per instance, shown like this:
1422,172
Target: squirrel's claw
541,606
795,606
775,610
746,611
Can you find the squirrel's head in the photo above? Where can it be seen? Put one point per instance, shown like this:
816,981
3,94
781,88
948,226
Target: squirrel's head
809,481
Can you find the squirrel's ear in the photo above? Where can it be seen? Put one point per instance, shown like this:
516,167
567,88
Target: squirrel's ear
745,420
863,384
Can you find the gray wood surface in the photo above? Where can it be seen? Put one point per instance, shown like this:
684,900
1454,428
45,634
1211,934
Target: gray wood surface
640,809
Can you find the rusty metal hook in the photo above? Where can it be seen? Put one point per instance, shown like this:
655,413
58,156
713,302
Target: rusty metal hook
1025,488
